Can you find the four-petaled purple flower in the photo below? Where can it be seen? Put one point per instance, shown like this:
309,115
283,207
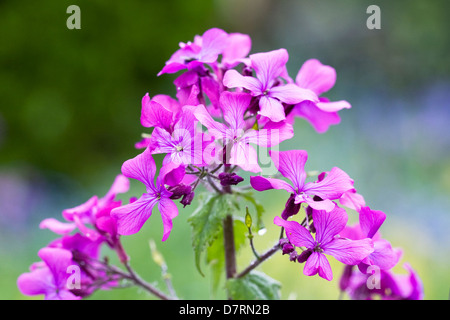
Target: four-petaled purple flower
328,225
131,217
291,165
269,67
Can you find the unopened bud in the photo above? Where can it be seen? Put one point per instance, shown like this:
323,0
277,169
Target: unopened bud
187,199
302,257
229,179
293,256
291,208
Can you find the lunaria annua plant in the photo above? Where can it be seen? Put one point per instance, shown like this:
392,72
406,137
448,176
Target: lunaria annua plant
231,111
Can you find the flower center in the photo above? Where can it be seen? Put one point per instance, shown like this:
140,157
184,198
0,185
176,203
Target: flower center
317,248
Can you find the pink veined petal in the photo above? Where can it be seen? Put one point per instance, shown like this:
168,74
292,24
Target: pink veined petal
233,79
383,255
292,94
352,232
272,134
172,67
332,186
154,114
296,233
333,106
244,156
214,41
57,260
318,263
261,184
171,174
329,224
370,221
353,200
325,204
291,164
167,102
315,76
142,168
234,105
217,129
212,89
161,141
169,211
83,210
320,120
39,281
349,252
56,226
271,108
131,217
238,47
269,65
62,295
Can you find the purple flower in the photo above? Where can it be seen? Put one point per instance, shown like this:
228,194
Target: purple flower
272,93
131,217
327,225
183,144
291,165
204,49
383,256
50,277
235,133
318,78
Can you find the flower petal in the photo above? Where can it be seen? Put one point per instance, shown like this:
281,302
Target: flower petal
292,94
169,211
370,221
131,217
261,184
318,263
320,120
350,252
269,65
56,226
297,234
233,79
315,76
332,186
142,168
329,224
271,108
291,164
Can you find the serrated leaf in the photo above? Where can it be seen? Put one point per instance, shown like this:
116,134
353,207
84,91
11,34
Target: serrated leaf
254,286
206,221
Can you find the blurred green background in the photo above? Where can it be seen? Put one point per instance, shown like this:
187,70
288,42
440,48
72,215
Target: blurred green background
70,108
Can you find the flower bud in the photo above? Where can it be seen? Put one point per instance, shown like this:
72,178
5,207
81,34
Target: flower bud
187,199
229,179
302,257
291,208
293,256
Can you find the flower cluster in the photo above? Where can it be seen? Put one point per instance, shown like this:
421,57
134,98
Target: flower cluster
231,109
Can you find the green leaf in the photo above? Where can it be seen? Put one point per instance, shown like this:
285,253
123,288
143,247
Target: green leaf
254,286
206,221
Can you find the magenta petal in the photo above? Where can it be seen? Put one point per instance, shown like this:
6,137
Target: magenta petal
329,224
291,164
142,168
315,76
234,105
318,263
233,79
56,226
39,281
261,184
121,184
131,217
238,47
333,106
320,120
57,260
217,129
383,256
332,186
154,114
292,94
271,108
325,205
370,221
296,233
169,211
171,174
214,41
353,200
244,156
269,65
350,252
